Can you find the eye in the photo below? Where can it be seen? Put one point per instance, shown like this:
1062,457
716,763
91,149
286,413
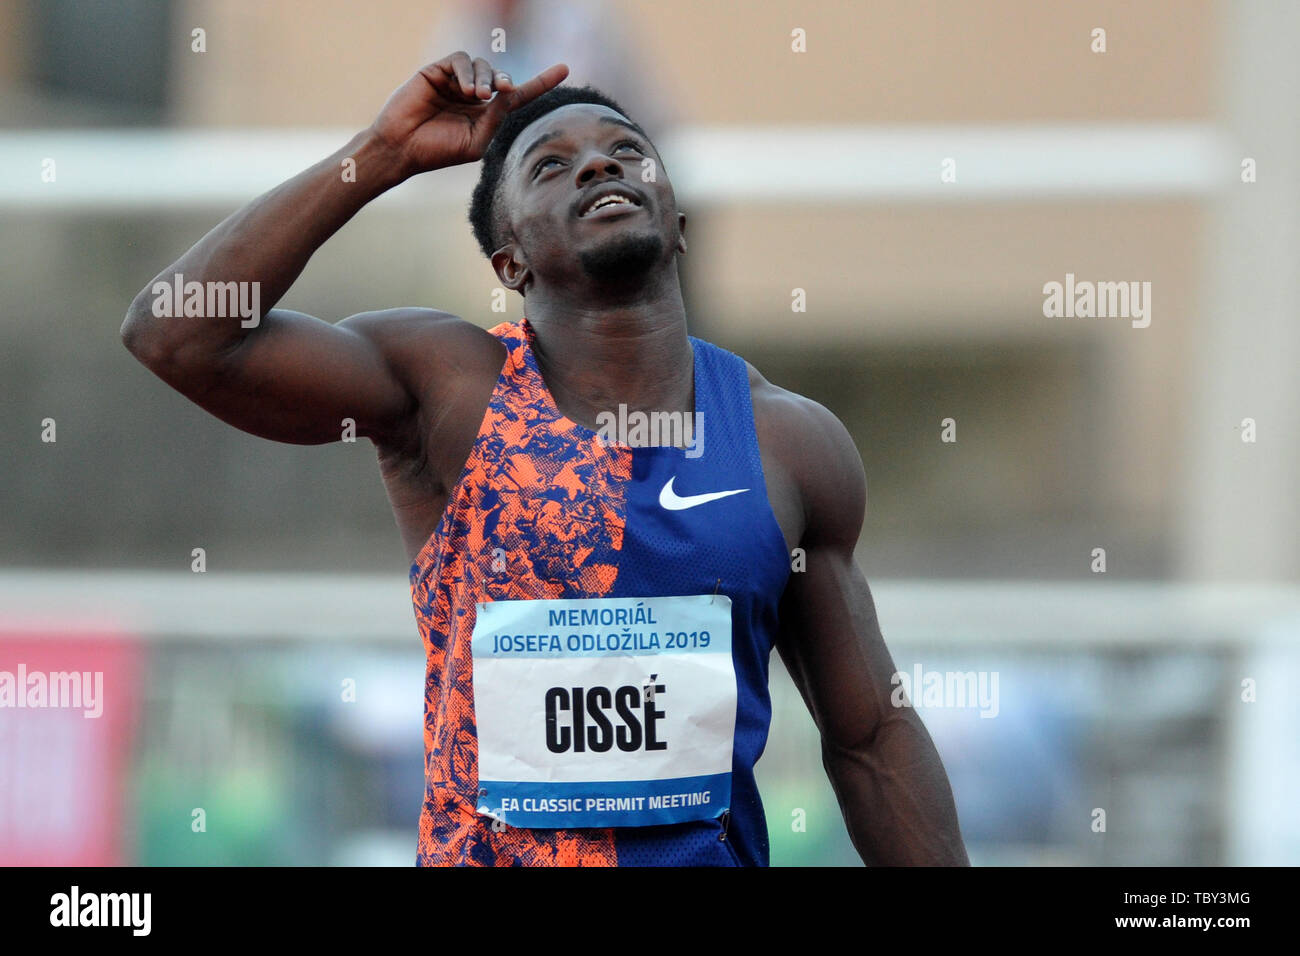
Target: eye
541,165
627,142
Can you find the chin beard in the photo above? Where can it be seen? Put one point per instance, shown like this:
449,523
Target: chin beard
623,258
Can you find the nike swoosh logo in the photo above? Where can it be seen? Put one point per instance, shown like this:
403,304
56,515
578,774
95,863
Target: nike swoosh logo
672,501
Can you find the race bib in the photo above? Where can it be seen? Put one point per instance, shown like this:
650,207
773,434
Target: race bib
604,712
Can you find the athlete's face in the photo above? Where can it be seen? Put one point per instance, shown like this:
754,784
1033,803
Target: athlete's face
585,194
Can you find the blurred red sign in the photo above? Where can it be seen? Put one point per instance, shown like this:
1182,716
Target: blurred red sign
67,719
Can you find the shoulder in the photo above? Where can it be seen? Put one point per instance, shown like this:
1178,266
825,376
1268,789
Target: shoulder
392,328
816,451
425,346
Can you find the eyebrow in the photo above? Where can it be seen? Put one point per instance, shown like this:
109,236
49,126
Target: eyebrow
606,120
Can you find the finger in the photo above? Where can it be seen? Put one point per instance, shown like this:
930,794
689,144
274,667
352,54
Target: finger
549,78
482,78
501,82
442,78
515,97
464,72
450,77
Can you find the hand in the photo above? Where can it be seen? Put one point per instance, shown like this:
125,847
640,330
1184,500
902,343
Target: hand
447,113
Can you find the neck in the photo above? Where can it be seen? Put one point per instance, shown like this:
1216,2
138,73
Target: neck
633,350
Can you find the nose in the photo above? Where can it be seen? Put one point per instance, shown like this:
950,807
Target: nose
597,163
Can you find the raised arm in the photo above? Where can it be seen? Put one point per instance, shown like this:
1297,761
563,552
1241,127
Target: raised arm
286,375
886,773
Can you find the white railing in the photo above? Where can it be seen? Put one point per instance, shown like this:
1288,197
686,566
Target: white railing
1049,615
136,169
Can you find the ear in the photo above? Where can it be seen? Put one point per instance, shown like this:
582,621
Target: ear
681,233
513,273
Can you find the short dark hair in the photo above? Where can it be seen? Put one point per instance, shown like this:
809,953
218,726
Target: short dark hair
482,213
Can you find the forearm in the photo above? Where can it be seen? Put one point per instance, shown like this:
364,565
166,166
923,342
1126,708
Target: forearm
895,796
269,241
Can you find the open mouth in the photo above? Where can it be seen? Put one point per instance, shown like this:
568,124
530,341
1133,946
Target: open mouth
608,203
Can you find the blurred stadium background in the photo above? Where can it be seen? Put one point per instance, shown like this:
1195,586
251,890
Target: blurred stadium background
1121,691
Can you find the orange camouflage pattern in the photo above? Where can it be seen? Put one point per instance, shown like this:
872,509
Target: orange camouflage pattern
549,495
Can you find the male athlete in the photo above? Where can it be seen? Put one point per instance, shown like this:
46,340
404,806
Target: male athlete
598,615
